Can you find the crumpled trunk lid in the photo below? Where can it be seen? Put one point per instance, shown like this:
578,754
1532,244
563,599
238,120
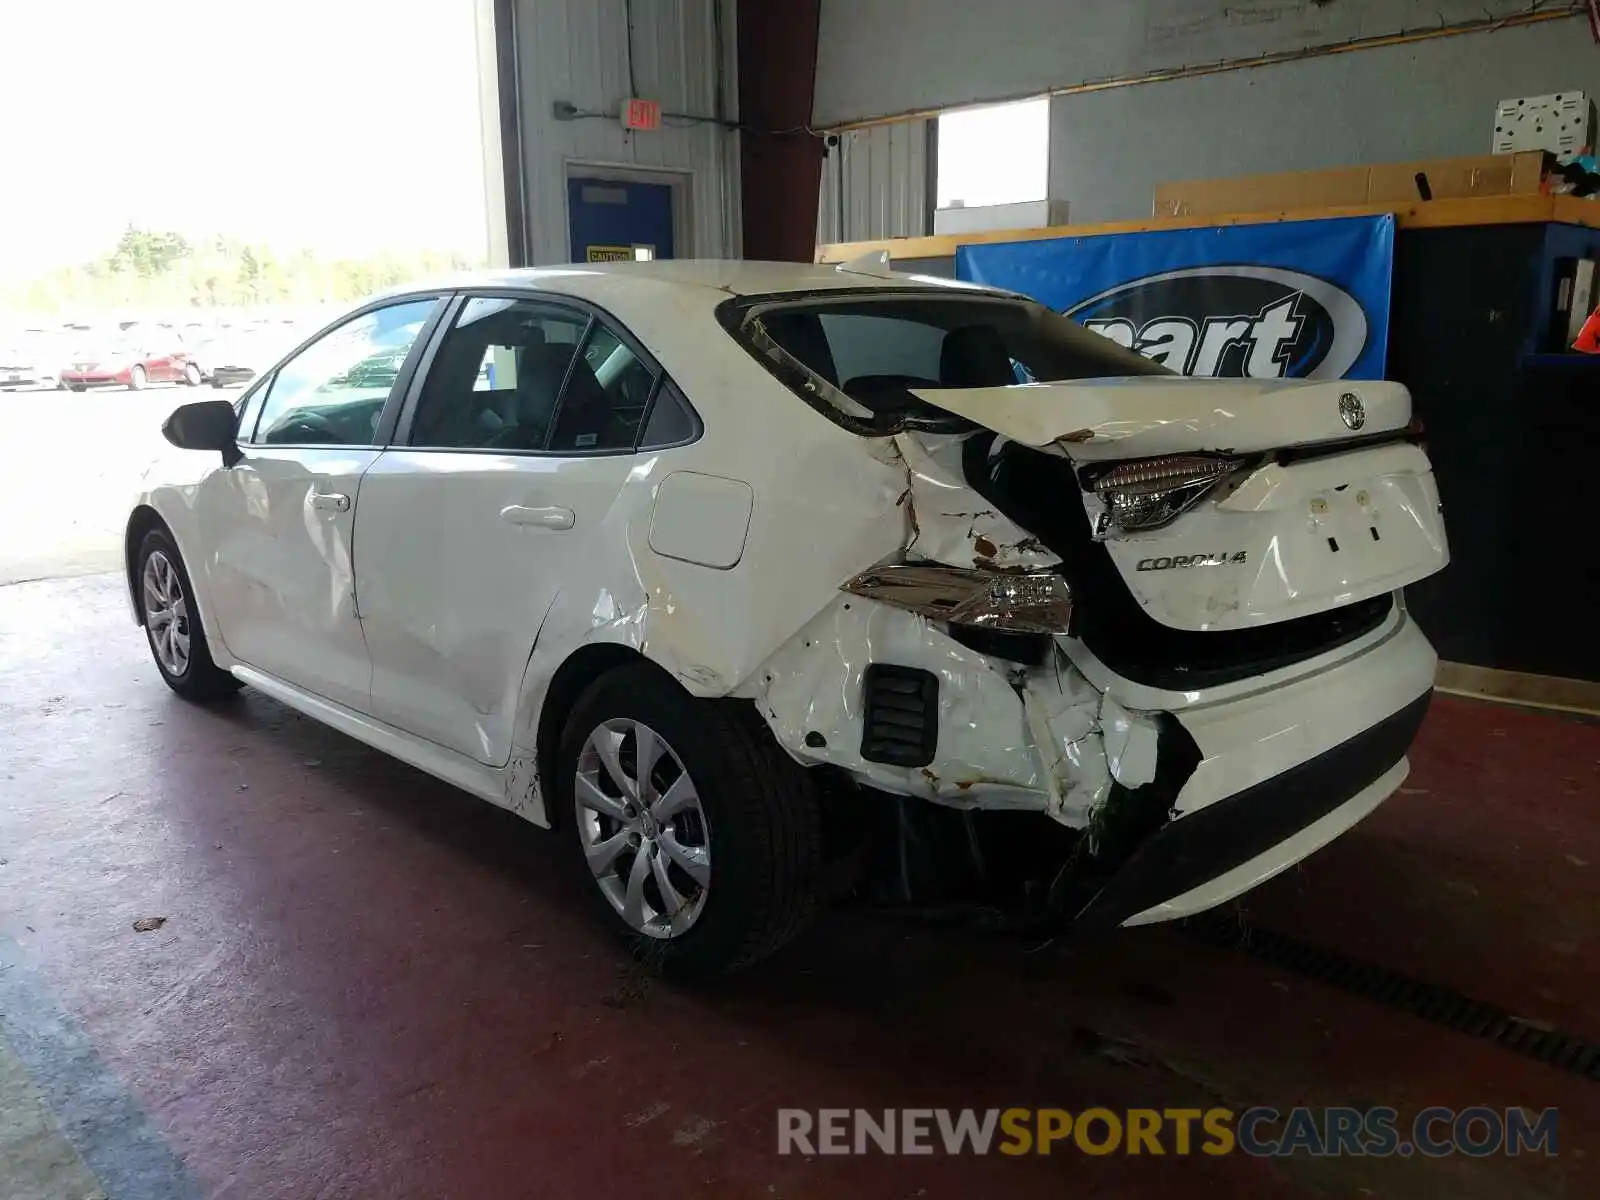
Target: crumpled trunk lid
1140,417
1320,510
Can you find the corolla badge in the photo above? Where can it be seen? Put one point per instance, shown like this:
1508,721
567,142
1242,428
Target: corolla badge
1233,320
1351,411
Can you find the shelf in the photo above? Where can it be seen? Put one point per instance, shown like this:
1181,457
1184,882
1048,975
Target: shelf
1564,363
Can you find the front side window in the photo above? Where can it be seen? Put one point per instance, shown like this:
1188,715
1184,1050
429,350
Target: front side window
864,355
332,393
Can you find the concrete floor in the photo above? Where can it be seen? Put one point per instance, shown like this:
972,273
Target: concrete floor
368,984
90,478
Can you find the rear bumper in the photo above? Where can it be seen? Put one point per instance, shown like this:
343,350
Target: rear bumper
1211,855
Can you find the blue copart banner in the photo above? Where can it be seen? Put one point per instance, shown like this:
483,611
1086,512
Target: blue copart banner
1295,299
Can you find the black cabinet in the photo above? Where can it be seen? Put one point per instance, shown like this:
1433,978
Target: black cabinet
1514,434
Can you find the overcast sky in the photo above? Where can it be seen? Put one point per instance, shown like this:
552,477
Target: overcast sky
347,125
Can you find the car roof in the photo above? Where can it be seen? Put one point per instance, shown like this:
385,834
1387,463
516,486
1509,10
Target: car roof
733,277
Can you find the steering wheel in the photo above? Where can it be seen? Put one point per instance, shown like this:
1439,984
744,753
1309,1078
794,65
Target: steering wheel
305,426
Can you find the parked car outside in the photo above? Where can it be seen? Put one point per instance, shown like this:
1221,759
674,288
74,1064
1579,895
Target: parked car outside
236,356
761,582
29,359
132,361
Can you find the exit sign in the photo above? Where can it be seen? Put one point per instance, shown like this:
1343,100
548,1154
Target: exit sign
642,114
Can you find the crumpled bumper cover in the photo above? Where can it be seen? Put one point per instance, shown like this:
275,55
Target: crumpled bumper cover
1196,848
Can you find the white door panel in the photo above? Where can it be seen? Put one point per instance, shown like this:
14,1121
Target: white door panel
459,556
278,526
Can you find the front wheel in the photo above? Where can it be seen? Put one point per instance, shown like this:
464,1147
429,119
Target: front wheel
136,379
699,836
191,375
172,623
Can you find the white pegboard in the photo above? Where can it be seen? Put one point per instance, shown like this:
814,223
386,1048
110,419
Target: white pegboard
1562,122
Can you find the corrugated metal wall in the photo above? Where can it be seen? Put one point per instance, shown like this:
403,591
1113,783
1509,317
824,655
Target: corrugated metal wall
1430,99
879,58
575,50
1108,149
875,184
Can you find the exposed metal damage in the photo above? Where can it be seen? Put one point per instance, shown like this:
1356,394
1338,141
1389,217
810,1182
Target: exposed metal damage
1011,735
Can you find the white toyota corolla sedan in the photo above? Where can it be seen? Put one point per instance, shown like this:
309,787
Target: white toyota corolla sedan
763,583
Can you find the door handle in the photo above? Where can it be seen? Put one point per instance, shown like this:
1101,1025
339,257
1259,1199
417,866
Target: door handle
543,518
334,501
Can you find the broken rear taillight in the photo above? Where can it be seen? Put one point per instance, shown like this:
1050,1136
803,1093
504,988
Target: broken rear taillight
1019,602
1149,493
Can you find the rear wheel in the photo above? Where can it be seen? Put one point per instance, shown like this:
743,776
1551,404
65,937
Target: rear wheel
172,623
78,387
699,837
191,375
136,379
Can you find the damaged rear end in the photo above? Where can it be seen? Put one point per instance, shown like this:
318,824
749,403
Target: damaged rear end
1156,623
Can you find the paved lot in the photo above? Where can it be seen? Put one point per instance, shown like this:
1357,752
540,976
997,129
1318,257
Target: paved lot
70,464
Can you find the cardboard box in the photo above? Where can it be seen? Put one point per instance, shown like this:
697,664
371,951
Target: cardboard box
1385,183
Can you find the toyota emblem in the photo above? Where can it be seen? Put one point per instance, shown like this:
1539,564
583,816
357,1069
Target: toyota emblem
1351,411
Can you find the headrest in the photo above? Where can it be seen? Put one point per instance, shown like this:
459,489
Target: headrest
975,356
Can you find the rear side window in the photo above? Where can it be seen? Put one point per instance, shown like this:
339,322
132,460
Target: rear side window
863,355
532,375
671,423
496,381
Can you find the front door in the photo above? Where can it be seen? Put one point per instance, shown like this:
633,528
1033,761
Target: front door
490,502
278,525
155,359
613,219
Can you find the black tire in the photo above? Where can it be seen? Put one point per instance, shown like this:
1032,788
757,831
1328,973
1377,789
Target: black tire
192,376
200,678
136,379
78,387
764,834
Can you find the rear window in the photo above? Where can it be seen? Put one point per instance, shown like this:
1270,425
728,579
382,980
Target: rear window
860,356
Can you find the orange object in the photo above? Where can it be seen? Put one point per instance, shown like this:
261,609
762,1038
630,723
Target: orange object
1589,336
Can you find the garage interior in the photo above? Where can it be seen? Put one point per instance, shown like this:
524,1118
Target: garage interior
242,955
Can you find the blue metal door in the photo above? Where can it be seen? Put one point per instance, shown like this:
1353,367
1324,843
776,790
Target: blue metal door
610,218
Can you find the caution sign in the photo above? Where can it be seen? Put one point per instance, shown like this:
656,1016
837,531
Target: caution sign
610,253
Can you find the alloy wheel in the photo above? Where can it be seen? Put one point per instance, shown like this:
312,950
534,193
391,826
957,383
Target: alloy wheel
643,829
166,614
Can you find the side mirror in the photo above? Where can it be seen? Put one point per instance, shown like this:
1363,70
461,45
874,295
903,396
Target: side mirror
205,425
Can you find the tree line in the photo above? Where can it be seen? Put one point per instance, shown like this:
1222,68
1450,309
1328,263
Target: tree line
164,270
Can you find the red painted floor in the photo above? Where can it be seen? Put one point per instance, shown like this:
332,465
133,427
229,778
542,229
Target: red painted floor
371,985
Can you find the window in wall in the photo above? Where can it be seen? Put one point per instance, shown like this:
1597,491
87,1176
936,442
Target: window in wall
995,155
